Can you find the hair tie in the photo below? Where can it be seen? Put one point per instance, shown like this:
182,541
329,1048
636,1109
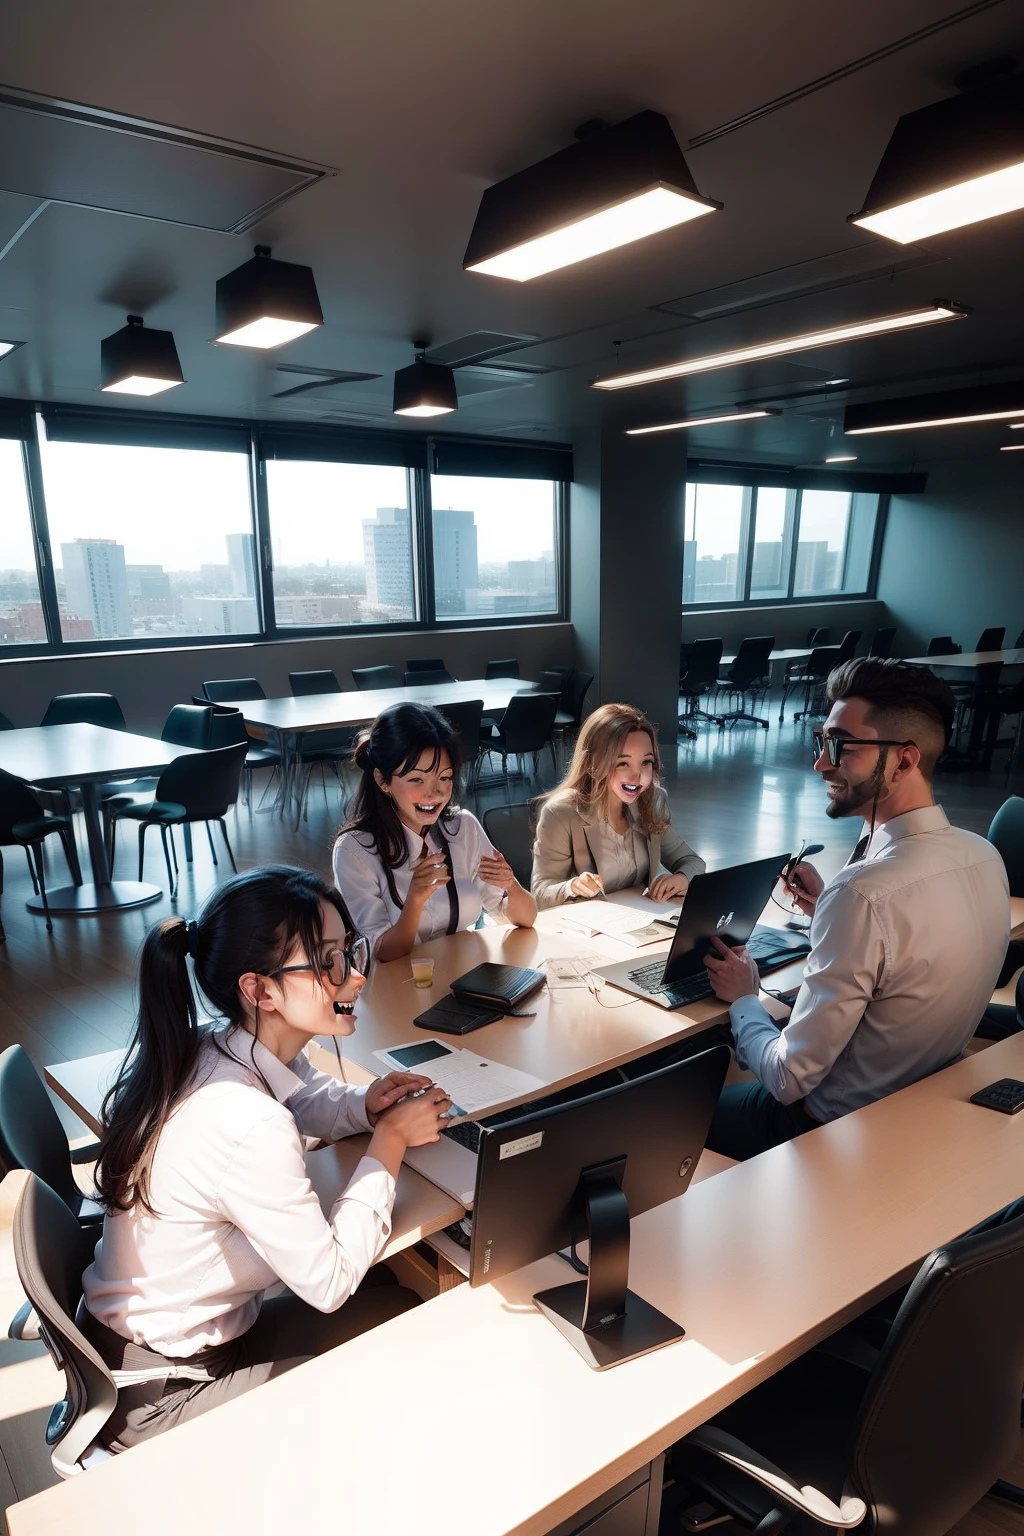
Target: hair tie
192,935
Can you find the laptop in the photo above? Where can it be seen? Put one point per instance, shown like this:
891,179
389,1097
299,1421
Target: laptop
726,904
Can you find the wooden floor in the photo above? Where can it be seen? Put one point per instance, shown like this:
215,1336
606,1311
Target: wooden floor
736,794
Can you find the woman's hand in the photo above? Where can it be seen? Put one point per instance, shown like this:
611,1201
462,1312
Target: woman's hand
804,886
587,885
664,887
417,1118
429,874
494,869
389,1089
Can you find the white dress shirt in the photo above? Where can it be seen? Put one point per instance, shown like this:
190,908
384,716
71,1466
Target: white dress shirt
360,877
906,946
235,1209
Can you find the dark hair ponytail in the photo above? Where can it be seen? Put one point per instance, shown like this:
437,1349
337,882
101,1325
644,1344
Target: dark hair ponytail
248,925
394,743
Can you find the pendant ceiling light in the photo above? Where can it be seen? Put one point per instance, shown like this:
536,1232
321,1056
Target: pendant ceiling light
952,408
613,186
265,303
424,389
134,361
956,162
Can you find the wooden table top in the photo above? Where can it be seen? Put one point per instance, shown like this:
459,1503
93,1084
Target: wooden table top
82,754
321,710
758,1264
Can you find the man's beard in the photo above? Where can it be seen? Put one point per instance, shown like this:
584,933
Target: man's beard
859,795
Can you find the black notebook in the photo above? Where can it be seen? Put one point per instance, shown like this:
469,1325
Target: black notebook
505,984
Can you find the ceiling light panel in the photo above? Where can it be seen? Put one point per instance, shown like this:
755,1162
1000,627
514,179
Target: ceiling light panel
265,303
614,186
701,421
952,408
908,320
137,361
425,389
955,163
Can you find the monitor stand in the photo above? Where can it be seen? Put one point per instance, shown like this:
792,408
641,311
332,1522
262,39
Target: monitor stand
603,1320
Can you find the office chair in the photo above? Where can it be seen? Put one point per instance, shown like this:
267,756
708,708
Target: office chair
510,829
201,787
227,729
465,717
526,727
882,642
1006,834
25,824
700,677
423,678
943,645
303,684
1018,644
224,690
848,645
905,1447
85,709
508,667
52,1252
748,676
32,1137
187,725
1001,1020
812,680
367,678
991,639
818,635
429,664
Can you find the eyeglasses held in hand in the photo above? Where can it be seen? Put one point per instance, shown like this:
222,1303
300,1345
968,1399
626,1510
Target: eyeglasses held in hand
835,746
338,964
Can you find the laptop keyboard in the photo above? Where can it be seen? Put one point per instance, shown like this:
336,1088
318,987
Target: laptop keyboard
467,1132
763,946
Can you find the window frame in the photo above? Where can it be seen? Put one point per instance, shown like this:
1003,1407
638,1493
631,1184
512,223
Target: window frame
748,534
121,427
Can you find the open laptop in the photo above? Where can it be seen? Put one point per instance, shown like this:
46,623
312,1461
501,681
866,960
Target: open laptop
726,904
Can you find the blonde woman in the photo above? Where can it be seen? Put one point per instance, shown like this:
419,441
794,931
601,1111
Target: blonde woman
607,826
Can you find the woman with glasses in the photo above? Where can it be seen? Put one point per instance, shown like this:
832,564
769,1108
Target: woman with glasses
202,1164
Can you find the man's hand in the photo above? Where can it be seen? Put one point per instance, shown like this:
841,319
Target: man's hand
388,1090
733,973
804,886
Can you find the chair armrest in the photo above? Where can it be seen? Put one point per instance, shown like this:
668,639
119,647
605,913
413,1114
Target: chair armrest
24,1325
808,1501
87,1152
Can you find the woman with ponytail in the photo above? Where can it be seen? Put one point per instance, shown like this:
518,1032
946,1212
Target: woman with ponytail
202,1160
409,862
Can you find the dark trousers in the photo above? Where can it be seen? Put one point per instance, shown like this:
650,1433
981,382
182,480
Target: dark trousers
286,1333
748,1121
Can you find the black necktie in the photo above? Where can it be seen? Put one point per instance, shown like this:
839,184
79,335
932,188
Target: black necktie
861,849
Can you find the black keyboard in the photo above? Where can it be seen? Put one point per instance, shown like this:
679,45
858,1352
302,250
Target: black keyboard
467,1132
766,946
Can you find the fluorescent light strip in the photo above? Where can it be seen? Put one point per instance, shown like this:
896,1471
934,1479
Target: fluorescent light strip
1012,448
939,421
784,345
985,197
841,458
1017,426
649,213
699,421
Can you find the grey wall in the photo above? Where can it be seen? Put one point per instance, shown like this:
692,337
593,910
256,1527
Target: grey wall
147,683
788,623
953,558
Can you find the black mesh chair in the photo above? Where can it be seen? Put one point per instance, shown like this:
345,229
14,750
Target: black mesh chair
200,787
991,639
508,667
943,645
429,664
85,709
701,676
25,824
904,1446
882,642
32,1137
510,829
526,727
224,690
303,684
747,678
423,678
52,1252
368,678
465,719
811,679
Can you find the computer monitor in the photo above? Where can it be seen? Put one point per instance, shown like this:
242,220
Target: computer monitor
549,1180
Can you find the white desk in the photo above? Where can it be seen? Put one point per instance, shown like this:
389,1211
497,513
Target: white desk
759,1264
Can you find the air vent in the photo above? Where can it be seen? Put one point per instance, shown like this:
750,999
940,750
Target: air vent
70,153
508,372
838,269
477,346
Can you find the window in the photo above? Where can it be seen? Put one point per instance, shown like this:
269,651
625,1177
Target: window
150,542
494,546
770,544
21,608
714,543
342,537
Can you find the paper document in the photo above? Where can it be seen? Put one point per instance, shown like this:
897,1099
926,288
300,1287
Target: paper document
629,925
472,1082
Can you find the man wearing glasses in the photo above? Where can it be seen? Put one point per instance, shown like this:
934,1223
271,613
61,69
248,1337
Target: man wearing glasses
906,941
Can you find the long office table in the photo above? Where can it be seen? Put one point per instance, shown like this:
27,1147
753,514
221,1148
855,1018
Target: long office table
474,1409
986,682
83,757
1012,657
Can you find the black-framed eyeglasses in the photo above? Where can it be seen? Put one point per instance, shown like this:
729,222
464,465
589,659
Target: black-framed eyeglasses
338,964
835,746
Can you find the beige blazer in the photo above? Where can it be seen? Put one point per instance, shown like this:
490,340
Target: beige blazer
561,851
